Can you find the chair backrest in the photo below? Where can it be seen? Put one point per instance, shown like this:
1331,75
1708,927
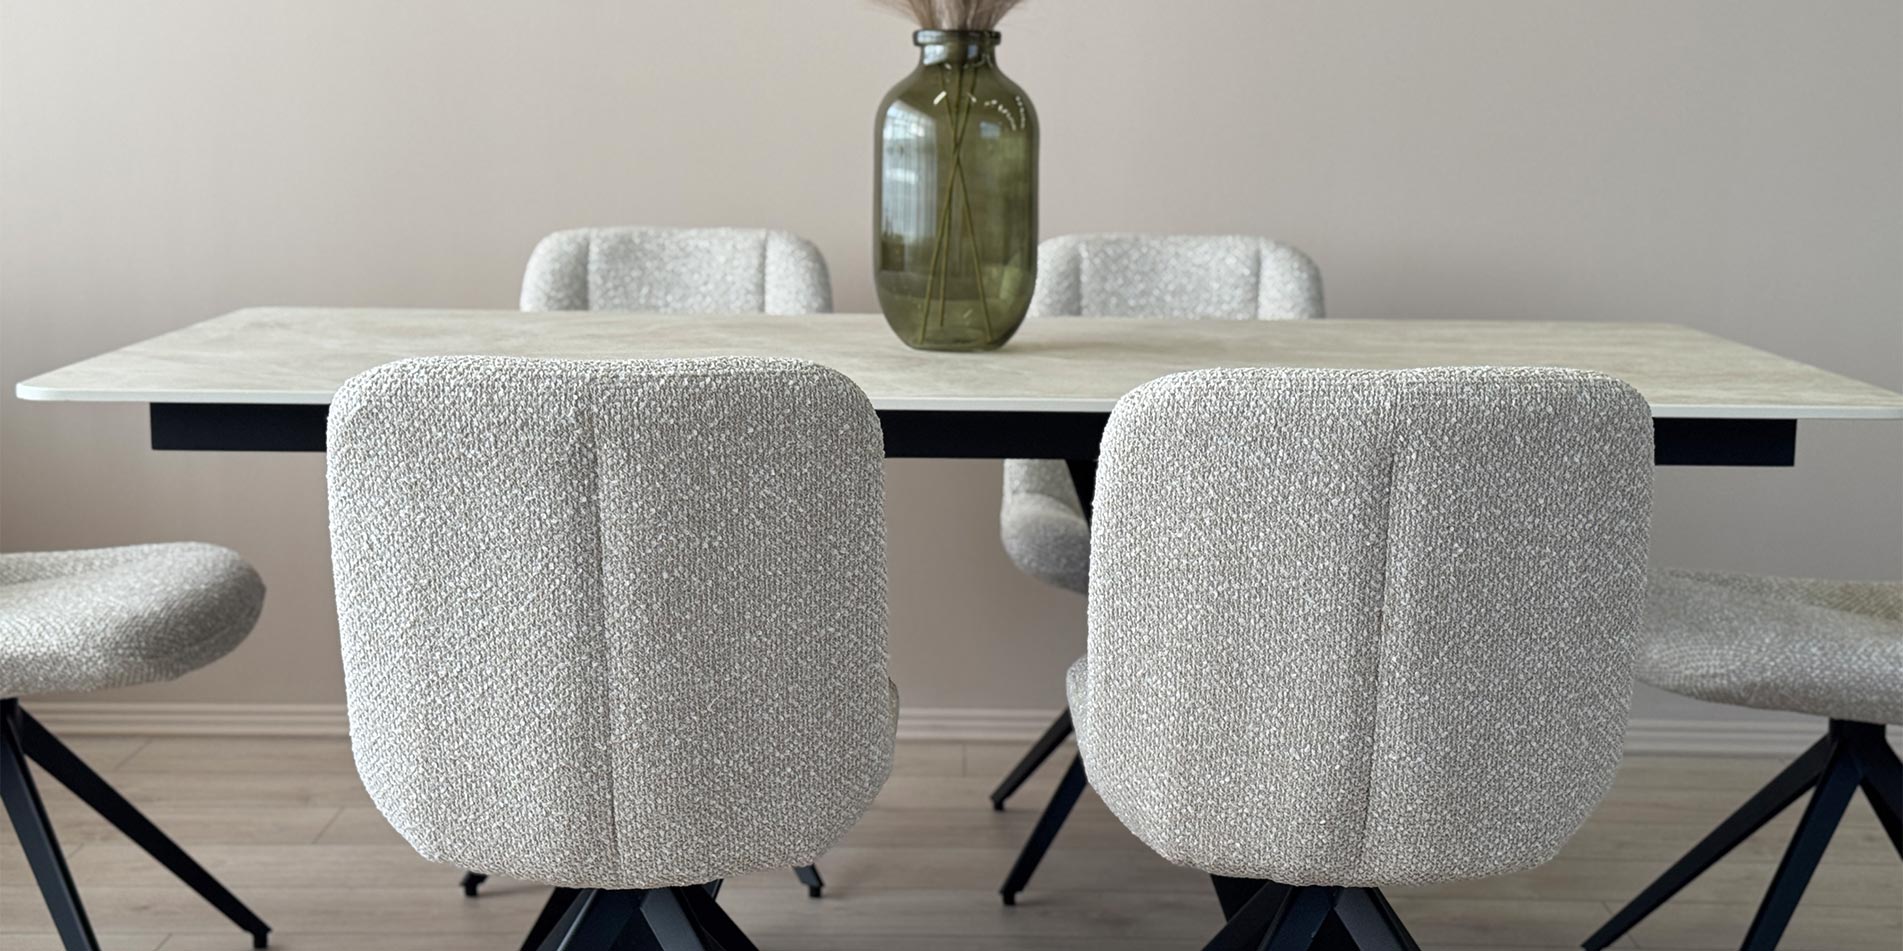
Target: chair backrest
1136,275
1365,628
1229,277
612,624
677,271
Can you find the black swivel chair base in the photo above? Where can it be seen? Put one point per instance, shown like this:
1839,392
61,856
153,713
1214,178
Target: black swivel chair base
660,919
23,738
1267,916
1054,735
1069,789
1852,754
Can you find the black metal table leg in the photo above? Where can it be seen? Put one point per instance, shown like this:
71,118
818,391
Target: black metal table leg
1794,781
472,883
37,839
89,786
1062,801
1054,736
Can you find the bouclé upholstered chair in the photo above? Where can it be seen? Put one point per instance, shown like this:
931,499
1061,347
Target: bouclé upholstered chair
1043,521
618,628
1353,629
1832,649
89,620
677,271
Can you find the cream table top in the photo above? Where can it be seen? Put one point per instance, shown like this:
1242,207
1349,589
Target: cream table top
301,355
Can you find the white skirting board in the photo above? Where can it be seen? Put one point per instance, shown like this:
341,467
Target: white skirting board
81,718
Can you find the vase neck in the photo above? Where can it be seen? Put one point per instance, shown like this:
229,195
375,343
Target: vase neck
956,47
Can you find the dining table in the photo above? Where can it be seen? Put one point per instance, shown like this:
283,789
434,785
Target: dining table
261,379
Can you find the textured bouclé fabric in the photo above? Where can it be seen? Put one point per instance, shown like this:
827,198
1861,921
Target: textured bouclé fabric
1214,277
1827,648
677,271
1364,628
114,617
613,625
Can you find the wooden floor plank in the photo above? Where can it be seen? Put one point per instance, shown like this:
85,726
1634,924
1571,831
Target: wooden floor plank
287,825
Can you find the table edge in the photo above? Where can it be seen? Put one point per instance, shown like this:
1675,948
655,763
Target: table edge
29,392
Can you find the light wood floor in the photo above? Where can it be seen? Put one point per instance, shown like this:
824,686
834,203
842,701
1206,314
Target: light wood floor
286,825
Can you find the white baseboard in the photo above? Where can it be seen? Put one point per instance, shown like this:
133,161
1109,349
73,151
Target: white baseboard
82,718
95,718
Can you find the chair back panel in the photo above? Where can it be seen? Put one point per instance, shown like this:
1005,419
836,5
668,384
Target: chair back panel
615,625
1364,627
1222,277
677,271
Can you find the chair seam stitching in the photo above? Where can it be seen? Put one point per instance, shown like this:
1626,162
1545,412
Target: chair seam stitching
1381,631
601,626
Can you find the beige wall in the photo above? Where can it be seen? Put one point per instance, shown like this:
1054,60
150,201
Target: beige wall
1736,165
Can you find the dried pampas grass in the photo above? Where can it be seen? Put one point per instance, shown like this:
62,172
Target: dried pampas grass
953,14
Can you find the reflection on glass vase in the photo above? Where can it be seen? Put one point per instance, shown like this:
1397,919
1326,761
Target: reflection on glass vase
956,253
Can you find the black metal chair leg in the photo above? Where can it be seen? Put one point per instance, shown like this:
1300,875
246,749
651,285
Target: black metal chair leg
472,883
1794,781
1247,922
712,922
37,839
1883,783
1807,846
1371,922
666,917
553,911
809,876
601,918
1234,894
73,773
1054,736
1300,919
1062,801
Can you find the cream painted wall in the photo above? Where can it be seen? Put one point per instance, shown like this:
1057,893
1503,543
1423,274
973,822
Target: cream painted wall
1736,165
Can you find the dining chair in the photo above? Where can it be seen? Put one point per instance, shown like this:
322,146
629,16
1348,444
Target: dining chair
1832,649
614,627
677,271
1043,522
91,620
1352,629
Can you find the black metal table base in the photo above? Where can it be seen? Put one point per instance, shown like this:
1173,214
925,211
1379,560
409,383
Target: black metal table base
1850,756
23,738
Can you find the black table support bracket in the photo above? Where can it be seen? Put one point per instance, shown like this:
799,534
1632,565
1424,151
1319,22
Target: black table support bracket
932,434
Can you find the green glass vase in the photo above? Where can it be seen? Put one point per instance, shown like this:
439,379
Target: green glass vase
956,227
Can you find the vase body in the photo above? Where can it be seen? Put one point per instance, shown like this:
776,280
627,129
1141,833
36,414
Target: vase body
955,257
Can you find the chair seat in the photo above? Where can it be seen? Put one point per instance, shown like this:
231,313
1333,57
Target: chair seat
1828,648
113,617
